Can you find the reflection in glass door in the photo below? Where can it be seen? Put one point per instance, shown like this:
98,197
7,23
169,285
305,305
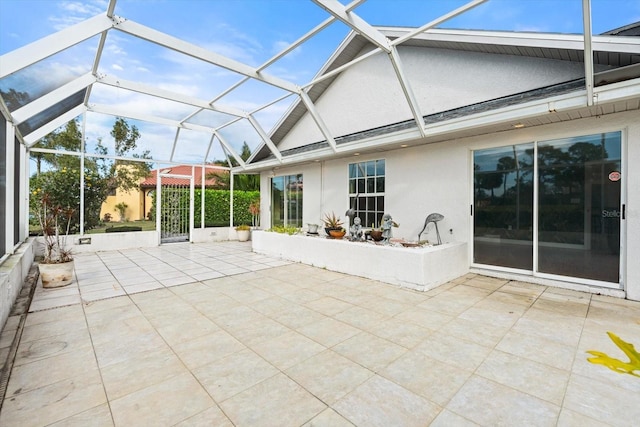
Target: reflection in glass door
578,186
503,206
286,200
579,207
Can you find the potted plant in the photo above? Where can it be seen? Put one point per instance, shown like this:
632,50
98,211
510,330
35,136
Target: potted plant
375,233
121,208
56,267
244,232
333,226
254,210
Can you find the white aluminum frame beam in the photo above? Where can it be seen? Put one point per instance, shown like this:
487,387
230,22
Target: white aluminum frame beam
229,148
386,45
96,62
588,51
324,76
45,47
356,23
175,143
195,51
169,95
5,111
9,196
394,57
274,58
111,8
437,21
265,137
52,98
576,100
114,111
31,139
315,115
383,43
601,43
106,156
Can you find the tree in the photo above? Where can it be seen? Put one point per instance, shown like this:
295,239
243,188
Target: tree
62,179
14,99
125,175
241,182
506,165
489,180
67,139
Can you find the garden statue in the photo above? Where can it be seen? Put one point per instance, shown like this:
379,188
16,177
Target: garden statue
356,233
434,218
350,213
387,224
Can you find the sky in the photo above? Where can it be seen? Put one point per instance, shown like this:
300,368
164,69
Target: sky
248,31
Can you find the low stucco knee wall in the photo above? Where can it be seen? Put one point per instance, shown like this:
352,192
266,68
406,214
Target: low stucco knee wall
13,272
113,241
417,268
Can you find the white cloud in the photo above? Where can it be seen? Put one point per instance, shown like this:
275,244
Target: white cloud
73,12
116,67
60,23
280,45
83,8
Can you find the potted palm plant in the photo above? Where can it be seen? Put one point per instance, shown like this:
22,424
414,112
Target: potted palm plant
333,226
56,267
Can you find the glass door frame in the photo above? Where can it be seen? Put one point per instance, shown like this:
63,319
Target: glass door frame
535,273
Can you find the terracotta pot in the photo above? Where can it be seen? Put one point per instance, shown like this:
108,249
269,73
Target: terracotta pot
337,234
56,275
376,235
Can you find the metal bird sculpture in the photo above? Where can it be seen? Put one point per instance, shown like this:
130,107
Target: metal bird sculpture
434,218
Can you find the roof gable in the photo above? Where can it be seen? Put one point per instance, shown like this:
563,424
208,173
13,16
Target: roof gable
185,170
609,52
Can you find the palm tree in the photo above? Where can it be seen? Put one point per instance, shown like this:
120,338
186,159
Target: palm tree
241,182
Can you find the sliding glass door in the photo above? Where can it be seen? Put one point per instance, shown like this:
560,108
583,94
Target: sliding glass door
503,205
551,208
579,207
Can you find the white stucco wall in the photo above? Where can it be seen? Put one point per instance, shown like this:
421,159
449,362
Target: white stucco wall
368,95
417,268
13,273
436,178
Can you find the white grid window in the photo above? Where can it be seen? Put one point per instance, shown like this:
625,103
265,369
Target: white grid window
366,191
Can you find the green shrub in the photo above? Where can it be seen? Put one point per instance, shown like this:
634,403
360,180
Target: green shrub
123,228
216,209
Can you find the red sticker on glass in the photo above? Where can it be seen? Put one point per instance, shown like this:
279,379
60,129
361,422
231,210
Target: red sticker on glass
614,176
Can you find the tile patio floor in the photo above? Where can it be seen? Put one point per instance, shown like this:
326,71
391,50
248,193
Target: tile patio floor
214,335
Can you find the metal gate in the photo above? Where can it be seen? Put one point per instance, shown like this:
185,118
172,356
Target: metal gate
174,207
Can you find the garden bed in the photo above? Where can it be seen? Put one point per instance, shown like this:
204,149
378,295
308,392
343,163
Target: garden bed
420,268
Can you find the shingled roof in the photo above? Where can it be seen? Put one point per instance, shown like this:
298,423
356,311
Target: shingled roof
151,181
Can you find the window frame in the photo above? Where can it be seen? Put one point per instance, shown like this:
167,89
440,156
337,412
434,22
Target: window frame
286,201
367,185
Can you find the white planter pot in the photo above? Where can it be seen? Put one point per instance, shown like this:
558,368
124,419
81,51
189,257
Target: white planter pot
56,275
243,235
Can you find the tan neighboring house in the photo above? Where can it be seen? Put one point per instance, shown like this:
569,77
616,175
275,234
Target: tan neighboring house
140,200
